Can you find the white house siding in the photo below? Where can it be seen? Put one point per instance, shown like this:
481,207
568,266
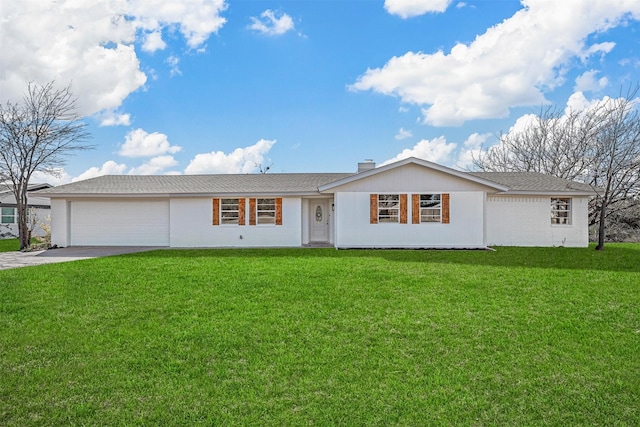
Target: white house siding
42,217
526,221
465,229
191,226
116,222
59,222
412,178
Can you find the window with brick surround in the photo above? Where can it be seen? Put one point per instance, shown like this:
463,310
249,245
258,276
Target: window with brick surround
561,211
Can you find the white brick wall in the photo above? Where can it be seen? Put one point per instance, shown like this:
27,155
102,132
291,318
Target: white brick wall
526,221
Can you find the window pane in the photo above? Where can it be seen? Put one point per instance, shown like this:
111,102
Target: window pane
388,201
8,215
266,217
561,210
429,215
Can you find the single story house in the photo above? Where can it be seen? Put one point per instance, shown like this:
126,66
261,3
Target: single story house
411,203
38,211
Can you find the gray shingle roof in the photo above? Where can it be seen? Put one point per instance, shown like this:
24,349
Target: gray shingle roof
534,182
289,183
278,184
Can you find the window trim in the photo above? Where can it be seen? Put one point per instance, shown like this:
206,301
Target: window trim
557,203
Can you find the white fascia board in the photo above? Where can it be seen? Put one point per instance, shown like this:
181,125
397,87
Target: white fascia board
546,193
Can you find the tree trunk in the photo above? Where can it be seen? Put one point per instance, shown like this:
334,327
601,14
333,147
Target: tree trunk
24,234
23,227
601,227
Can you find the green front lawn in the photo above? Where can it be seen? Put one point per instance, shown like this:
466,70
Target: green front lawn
274,337
9,245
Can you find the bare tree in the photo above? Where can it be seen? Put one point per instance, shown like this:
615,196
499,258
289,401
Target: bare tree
599,145
37,134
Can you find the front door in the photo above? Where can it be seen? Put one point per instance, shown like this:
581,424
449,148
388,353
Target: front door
319,221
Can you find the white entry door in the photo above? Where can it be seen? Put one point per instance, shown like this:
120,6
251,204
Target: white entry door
319,220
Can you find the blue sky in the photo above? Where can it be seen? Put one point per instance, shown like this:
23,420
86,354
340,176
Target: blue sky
214,86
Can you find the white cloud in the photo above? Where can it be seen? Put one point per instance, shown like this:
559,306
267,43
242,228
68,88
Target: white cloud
59,177
511,64
409,8
173,62
139,143
271,25
241,160
154,166
403,134
436,150
153,41
471,149
92,44
588,82
108,168
112,118
576,102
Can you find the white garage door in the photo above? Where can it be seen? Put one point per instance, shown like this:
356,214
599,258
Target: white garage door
120,223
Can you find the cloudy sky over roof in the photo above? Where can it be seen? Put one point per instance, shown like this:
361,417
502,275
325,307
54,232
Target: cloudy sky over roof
222,86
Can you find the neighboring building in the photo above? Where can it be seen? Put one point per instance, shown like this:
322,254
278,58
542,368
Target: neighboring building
38,206
411,203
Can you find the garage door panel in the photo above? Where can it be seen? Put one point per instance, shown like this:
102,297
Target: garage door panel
120,223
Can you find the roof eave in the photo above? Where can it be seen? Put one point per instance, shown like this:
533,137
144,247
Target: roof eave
546,193
178,195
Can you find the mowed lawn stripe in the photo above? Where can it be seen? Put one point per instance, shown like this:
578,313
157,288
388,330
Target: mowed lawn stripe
519,336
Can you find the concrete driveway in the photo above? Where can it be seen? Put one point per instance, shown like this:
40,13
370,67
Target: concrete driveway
25,259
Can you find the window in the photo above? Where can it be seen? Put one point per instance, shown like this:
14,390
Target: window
561,210
266,211
8,216
430,208
229,211
388,208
